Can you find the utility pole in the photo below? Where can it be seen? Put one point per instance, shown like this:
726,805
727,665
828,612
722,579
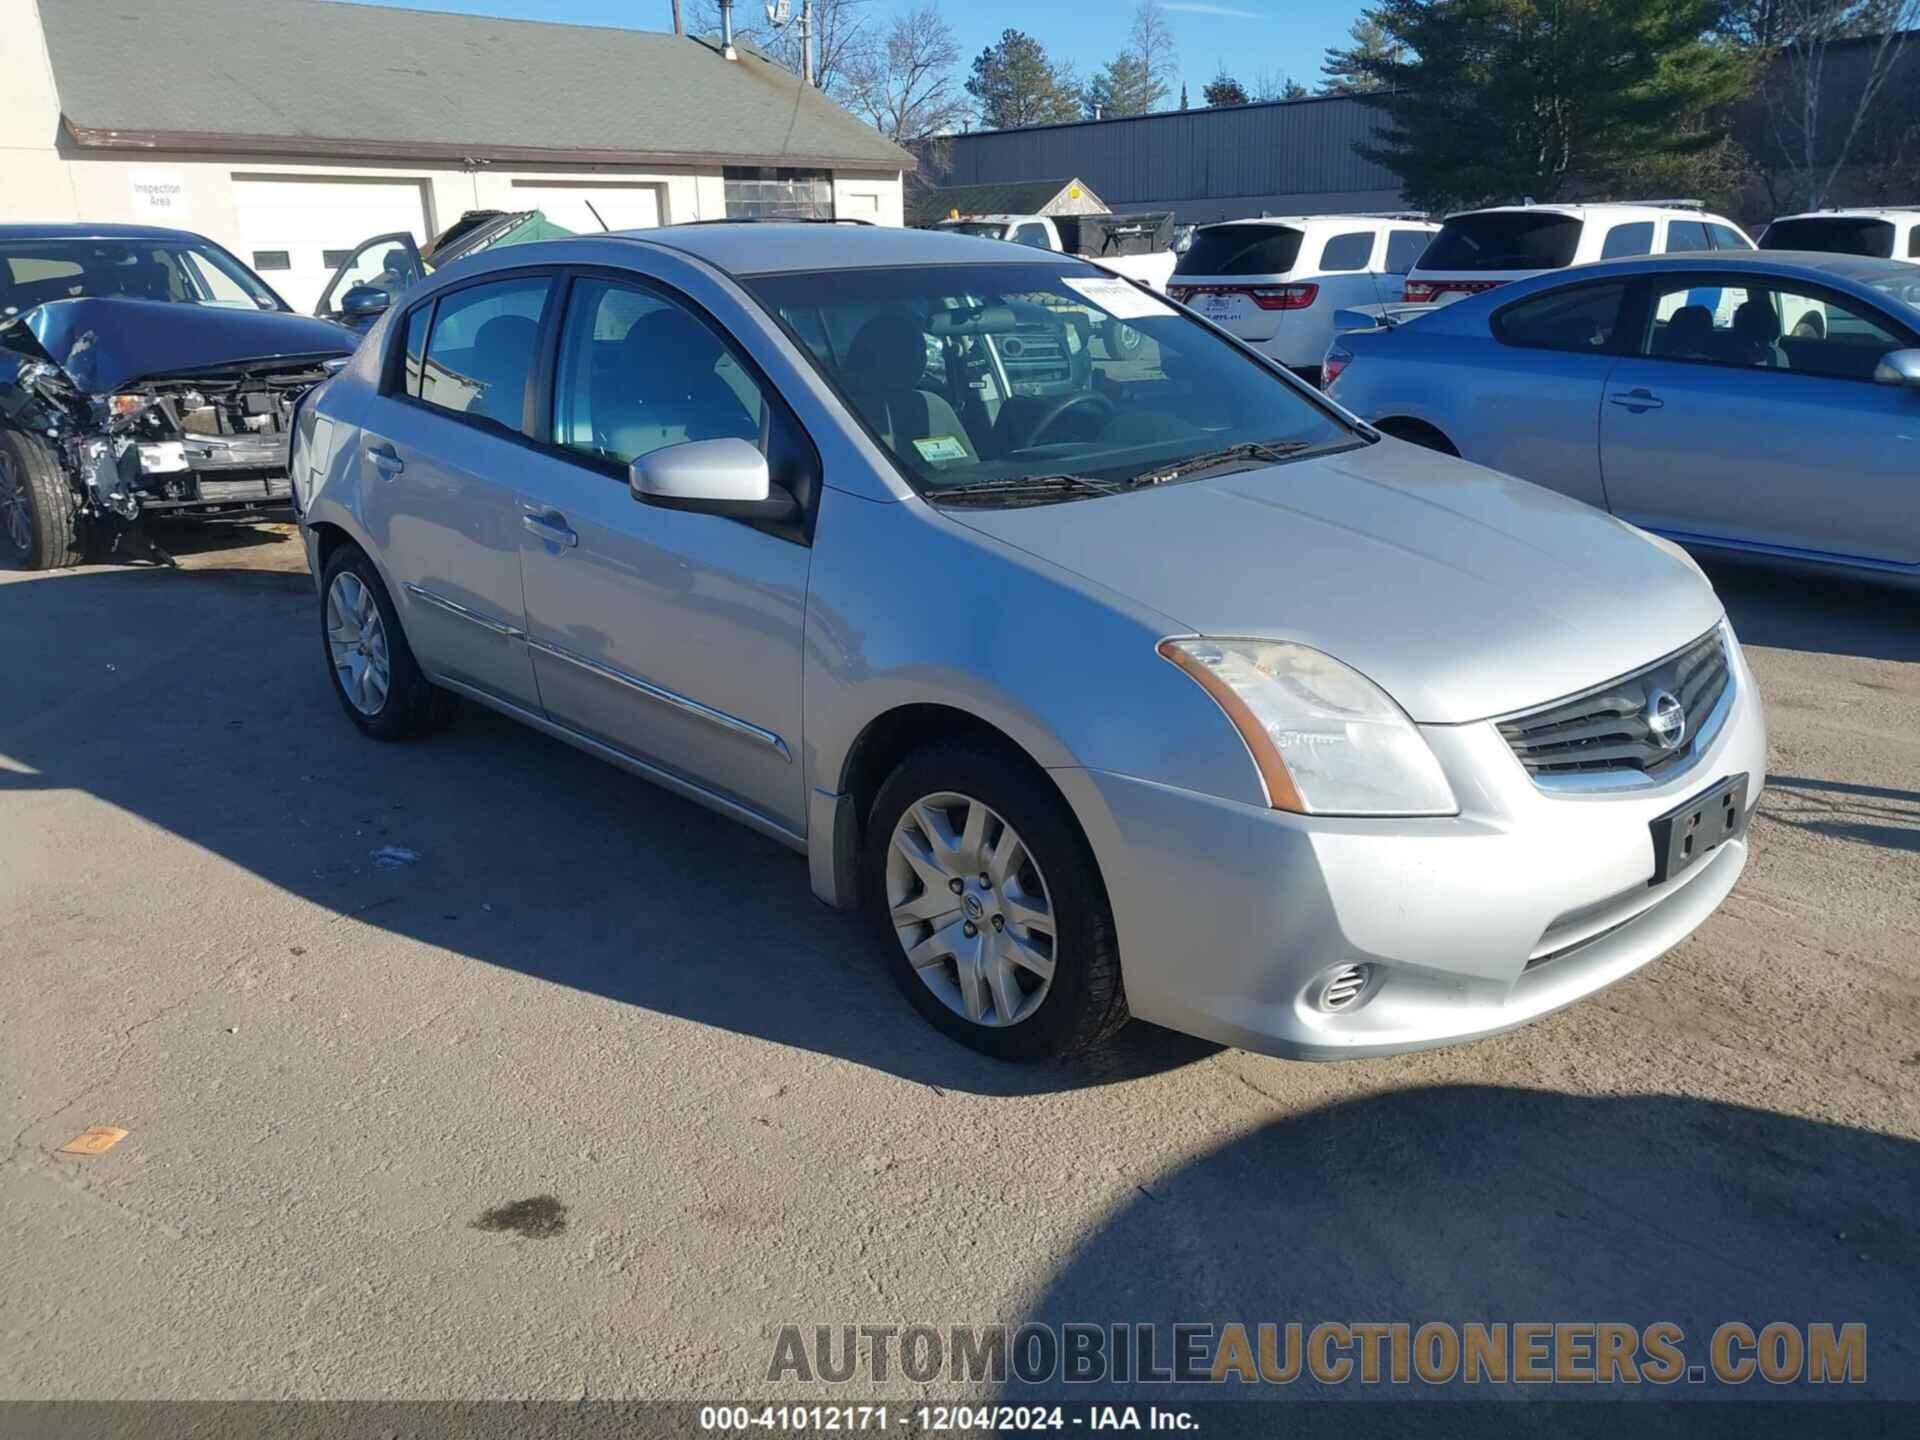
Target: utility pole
679,21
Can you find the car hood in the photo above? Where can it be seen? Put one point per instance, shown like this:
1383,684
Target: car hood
105,344
1461,592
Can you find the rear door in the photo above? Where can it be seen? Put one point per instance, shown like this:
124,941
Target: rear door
1748,414
443,448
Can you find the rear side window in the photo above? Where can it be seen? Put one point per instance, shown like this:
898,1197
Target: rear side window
1504,240
1350,251
1684,236
1836,236
1633,238
1583,319
1404,249
1725,237
1241,250
481,349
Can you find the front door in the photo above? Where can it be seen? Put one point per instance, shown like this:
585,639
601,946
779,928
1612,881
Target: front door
1749,414
674,637
441,456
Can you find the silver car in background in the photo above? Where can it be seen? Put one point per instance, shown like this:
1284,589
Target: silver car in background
1151,685
1762,403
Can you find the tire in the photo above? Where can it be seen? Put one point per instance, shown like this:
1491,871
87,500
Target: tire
1054,876
407,704
1810,327
40,526
1123,342
1418,432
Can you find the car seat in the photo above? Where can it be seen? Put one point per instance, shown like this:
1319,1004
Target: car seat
1689,334
502,353
1756,331
886,360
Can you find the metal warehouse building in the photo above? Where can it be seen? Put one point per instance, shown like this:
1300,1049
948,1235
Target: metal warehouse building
1281,157
292,130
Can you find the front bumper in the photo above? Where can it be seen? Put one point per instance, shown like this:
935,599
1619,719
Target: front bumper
1230,917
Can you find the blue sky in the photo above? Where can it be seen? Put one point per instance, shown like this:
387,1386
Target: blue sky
1250,36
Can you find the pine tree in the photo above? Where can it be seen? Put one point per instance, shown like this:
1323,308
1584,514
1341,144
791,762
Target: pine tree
1346,67
1016,83
1223,89
1122,87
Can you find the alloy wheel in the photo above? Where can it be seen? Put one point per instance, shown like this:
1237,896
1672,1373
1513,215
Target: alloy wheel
15,516
357,641
971,909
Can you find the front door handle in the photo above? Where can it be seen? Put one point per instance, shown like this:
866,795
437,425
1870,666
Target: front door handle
1638,401
551,526
385,459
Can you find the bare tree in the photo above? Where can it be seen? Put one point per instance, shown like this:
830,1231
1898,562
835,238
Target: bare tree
1152,43
907,85
1814,126
844,36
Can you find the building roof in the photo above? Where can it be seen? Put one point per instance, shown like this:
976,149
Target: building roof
372,82
1011,197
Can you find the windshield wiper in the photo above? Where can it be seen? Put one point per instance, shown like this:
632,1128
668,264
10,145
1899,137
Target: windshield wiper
1026,488
1195,466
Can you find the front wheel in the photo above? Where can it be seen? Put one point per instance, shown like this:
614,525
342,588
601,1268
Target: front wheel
991,906
375,677
39,522
1123,342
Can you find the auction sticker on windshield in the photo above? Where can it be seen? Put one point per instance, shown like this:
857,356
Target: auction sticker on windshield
1121,299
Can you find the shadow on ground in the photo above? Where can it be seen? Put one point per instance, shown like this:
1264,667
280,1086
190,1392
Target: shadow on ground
1791,610
199,703
1478,1203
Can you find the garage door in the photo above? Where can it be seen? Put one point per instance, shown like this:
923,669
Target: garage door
296,230
621,207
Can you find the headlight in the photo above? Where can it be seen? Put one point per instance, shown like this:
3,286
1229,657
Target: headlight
1325,739
121,408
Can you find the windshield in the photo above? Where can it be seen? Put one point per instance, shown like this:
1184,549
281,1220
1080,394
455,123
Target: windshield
984,229
1040,382
1841,235
190,273
1241,250
1900,283
1504,240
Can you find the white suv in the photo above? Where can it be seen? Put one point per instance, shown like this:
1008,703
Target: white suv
1892,234
1480,249
1276,282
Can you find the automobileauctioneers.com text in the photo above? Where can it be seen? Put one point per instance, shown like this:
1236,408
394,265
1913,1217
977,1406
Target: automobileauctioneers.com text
1331,1352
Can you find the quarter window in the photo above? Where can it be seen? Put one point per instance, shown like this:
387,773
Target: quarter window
1767,327
1348,252
1633,238
1725,237
1913,243
638,372
1404,249
417,320
1684,236
1580,320
481,350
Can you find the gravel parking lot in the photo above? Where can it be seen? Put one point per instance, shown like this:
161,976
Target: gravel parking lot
355,1003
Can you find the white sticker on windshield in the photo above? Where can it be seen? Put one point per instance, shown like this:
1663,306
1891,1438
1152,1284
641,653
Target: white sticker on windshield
941,448
1121,299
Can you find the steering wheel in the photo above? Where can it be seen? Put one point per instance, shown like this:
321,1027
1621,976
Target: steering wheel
1052,414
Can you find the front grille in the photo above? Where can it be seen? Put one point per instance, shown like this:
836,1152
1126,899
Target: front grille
1608,728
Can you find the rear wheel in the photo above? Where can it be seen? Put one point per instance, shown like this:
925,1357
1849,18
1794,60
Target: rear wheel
39,524
1123,342
375,676
1417,432
991,906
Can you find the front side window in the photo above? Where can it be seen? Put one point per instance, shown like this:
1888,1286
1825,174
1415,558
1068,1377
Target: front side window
481,349
1350,251
1584,319
1404,249
36,271
1003,383
1633,238
1686,236
638,372
1767,326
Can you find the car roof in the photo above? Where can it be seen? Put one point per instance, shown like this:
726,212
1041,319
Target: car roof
783,247
1583,210
1361,219
93,230
1856,212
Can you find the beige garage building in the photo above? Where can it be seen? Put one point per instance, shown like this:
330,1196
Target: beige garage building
291,130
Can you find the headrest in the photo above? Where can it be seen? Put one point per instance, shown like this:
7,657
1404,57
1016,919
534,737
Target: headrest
1690,325
505,337
888,353
1755,323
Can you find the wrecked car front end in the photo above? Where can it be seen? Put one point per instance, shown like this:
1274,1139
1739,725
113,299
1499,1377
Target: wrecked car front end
152,408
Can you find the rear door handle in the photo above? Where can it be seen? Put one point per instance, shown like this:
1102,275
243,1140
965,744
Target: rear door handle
551,526
1638,401
386,460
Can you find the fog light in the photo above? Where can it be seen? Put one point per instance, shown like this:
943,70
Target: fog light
1345,988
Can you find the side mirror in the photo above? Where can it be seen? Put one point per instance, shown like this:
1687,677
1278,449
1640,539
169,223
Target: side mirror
1899,367
712,477
364,302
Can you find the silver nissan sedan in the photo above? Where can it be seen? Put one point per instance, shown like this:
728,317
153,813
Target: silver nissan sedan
1139,681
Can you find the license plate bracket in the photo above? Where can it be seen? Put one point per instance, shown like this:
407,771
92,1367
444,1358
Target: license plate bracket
1698,827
